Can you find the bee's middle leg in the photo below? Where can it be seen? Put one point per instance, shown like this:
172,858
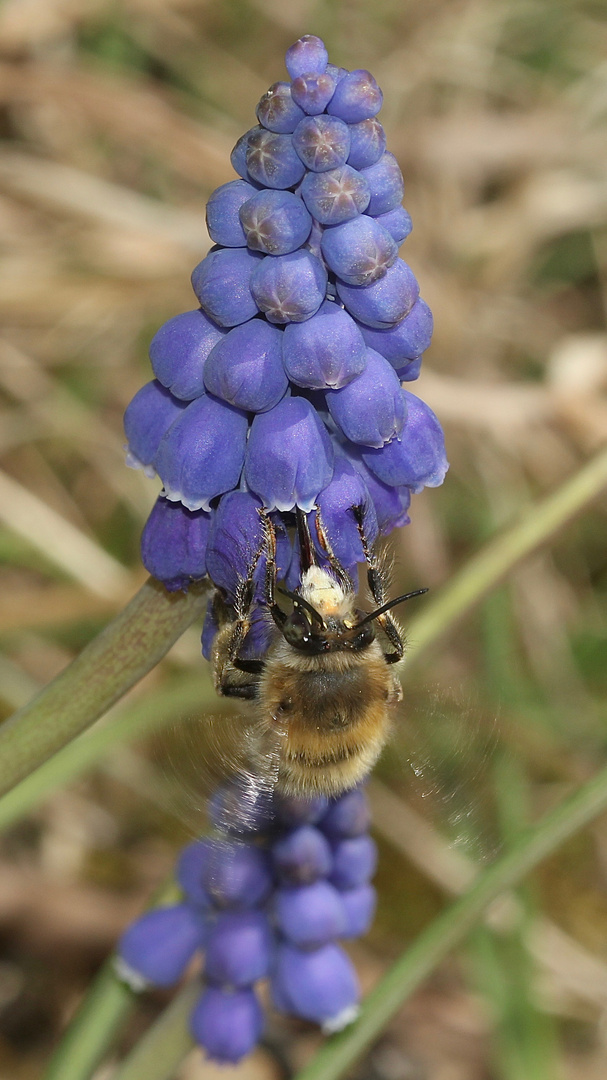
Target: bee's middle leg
377,586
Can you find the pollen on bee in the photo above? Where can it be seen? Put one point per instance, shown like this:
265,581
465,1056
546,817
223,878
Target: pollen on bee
321,589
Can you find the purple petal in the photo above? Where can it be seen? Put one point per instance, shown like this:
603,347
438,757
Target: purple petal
245,368
160,944
202,453
227,1023
148,416
417,458
371,409
178,352
289,457
238,948
173,544
318,985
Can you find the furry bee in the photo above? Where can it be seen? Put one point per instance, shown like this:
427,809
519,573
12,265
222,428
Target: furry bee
326,688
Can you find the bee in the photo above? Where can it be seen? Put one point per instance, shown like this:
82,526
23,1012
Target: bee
325,691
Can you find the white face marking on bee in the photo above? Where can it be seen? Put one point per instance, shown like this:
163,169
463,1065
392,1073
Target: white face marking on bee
321,590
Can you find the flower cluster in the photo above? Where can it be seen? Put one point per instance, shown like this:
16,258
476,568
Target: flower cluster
272,906
285,384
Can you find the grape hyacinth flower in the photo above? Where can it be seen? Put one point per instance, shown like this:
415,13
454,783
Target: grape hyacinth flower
283,390
309,321
273,904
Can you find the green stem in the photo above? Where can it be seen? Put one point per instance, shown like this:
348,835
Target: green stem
131,645
165,1044
449,929
103,1012
141,718
484,570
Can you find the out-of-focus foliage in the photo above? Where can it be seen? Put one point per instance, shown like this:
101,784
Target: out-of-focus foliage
116,123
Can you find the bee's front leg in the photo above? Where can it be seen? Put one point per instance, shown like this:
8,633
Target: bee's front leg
377,586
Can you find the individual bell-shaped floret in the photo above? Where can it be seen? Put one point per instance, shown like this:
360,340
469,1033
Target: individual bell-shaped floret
148,416
159,946
359,251
417,458
271,159
357,97
336,195
404,341
307,56
174,543
237,875
294,810
309,915
318,984
354,862
367,143
313,92
227,1023
289,457
289,288
202,453
223,221
277,111
302,856
238,157
245,367
391,504
190,872
371,409
327,350
222,284
359,905
322,142
236,542
275,222
397,222
347,815
178,352
386,301
335,502
386,184
238,948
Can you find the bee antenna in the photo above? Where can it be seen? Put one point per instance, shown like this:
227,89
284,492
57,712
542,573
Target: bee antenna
300,602
306,547
390,604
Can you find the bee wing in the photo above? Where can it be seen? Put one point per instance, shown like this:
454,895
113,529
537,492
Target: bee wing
442,763
218,772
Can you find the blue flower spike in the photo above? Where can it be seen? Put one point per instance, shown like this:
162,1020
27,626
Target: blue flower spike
284,389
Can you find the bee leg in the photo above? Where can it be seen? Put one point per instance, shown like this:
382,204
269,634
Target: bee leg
377,587
271,570
229,666
342,576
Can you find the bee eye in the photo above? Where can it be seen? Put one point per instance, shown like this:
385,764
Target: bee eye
297,630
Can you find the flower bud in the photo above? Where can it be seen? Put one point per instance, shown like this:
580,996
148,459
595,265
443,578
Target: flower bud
416,459
386,184
277,111
404,341
335,502
173,544
237,875
397,222
302,856
245,367
238,948
223,221
347,815
322,142
289,288
227,1023
275,222
318,985
202,453
326,351
357,97
307,56
386,301
371,409
222,284
179,350
161,943
148,416
359,905
336,195
272,161
367,143
313,92
309,915
190,872
354,862
359,251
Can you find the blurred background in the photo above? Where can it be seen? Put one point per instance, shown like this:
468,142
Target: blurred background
117,118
